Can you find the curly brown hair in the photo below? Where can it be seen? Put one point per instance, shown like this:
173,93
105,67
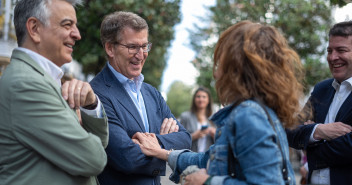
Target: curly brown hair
252,60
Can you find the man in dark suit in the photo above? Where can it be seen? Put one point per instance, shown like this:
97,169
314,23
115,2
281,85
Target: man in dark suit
328,140
131,105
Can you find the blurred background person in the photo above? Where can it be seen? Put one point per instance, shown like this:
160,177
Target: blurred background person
196,120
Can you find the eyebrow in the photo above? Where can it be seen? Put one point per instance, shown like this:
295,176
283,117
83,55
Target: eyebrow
138,44
65,20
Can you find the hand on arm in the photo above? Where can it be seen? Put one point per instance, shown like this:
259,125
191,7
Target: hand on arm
331,130
196,178
308,122
78,93
168,126
149,145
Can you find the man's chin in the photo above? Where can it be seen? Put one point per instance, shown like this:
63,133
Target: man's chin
61,63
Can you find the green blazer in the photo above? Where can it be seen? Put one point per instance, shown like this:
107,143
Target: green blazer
41,140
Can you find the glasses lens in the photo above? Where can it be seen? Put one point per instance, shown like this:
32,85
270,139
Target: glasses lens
147,47
133,49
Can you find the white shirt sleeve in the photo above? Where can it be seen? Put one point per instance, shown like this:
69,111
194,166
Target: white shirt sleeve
95,112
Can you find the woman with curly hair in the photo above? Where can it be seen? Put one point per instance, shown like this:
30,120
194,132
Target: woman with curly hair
258,80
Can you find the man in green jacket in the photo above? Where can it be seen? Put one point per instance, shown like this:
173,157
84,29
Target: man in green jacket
41,139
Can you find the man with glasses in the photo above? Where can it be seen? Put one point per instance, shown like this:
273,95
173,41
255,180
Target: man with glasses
131,105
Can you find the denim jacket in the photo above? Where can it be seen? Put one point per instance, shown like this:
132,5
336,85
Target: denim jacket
253,142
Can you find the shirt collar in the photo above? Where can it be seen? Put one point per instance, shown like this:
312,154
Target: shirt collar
49,67
124,80
336,85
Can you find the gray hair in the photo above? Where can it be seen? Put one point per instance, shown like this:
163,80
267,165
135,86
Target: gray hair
33,8
114,23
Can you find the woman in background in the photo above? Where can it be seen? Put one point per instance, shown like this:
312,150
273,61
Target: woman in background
196,120
258,80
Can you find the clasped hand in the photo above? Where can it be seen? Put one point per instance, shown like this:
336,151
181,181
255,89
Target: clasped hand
329,131
78,93
148,142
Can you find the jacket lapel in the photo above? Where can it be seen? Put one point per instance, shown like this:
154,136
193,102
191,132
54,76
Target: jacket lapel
118,93
150,107
345,112
19,55
324,102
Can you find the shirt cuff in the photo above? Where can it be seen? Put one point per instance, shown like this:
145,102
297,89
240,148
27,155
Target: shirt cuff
311,138
217,180
96,113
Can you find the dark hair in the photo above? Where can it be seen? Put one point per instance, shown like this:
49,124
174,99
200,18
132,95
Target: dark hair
114,23
343,29
32,8
194,108
252,60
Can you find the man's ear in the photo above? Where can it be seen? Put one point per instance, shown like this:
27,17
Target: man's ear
33,26
109,49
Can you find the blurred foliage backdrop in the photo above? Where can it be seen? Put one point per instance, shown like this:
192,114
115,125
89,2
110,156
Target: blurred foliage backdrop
161,16
179,98
304,23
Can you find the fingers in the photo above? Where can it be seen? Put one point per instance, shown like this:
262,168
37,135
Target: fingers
308,122
169,125
78,93
343,128
176,128
173,127
163,125
138,135
347,127
78,112
196,178
136,141
330,131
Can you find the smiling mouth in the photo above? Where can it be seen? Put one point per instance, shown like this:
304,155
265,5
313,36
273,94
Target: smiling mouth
135,63
69,45
337,65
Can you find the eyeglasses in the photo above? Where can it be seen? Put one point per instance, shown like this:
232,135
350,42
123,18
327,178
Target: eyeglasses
134,49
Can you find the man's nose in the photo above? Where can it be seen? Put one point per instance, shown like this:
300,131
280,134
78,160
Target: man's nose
75,34
333,56
140,54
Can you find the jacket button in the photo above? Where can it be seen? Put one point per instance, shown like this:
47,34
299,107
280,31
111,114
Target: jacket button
156,172
212,157
219,133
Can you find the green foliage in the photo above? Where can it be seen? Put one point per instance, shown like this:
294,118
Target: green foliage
316,71
340,3
179,98
161,16
303,23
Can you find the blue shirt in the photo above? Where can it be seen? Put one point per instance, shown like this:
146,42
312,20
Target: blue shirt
133,88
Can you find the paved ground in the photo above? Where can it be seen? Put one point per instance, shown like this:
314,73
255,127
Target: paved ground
165,179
